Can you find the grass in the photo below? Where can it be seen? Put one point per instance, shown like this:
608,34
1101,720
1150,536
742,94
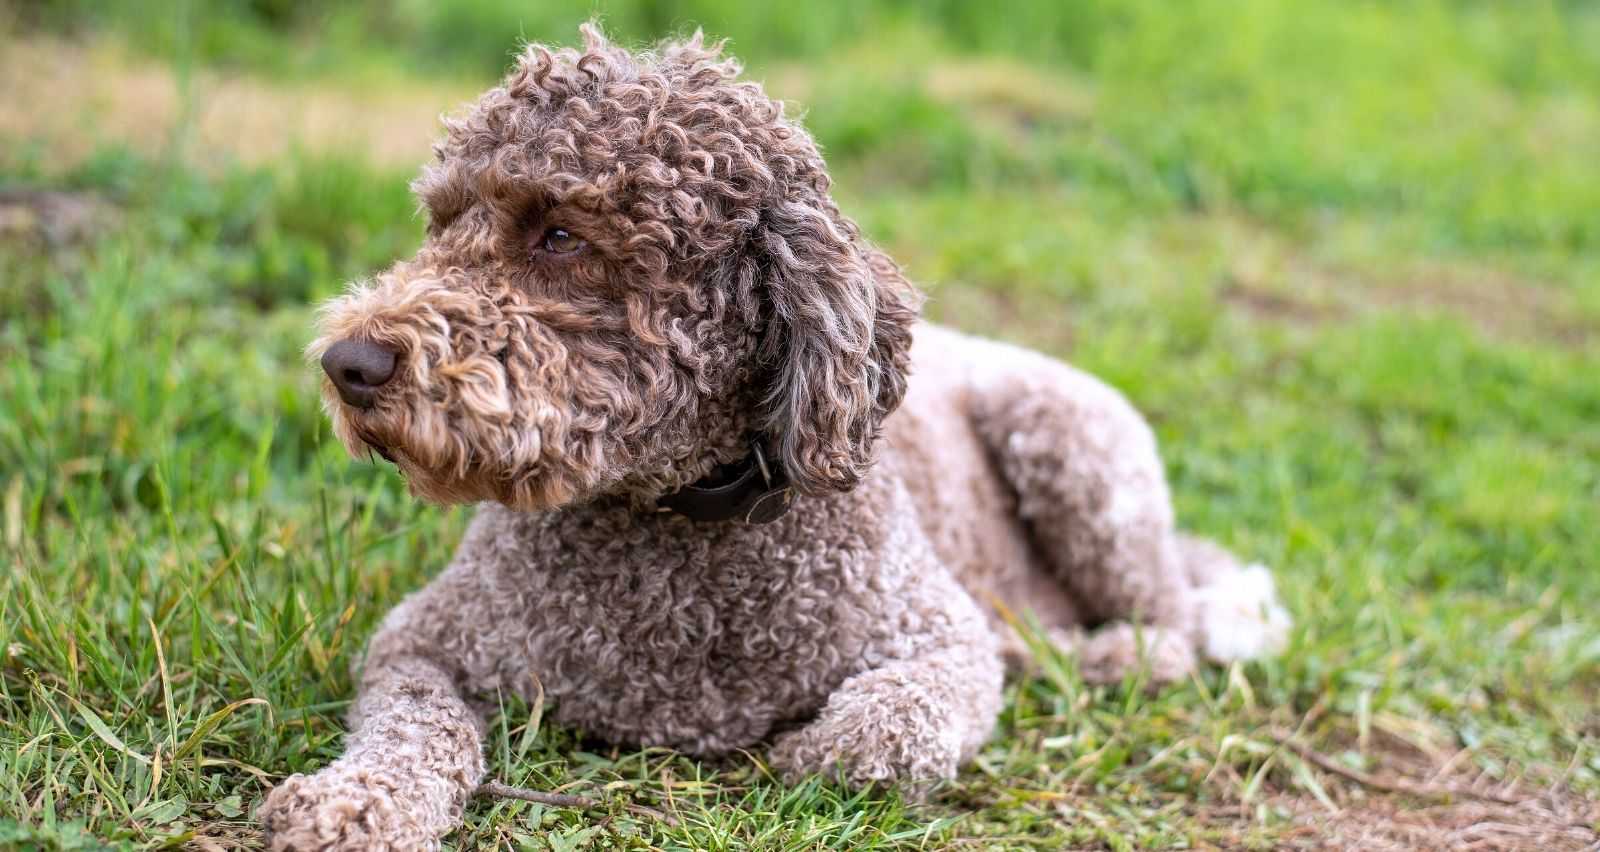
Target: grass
1344,254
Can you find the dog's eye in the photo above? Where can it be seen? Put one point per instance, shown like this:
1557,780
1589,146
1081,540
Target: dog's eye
562,241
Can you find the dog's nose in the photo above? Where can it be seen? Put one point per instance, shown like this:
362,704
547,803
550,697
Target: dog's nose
358,368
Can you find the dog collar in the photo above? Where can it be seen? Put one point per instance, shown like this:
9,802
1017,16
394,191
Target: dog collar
753,490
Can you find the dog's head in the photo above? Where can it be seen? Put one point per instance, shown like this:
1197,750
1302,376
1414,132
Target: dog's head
632,268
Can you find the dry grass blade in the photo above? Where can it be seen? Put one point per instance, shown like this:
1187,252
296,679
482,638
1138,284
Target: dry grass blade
1403,786
562,800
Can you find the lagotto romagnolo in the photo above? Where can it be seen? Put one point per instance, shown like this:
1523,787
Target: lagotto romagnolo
636,297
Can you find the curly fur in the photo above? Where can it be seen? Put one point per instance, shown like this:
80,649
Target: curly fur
719,295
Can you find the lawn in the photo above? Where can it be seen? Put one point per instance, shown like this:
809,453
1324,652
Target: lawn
1346,255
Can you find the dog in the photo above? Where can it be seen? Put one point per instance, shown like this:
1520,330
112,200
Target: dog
732,491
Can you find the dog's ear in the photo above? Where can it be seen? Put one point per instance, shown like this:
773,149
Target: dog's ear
837,343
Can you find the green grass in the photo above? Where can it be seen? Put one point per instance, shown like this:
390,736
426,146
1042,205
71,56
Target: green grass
1343,253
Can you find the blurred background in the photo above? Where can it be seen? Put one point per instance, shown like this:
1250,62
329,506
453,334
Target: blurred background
1345,253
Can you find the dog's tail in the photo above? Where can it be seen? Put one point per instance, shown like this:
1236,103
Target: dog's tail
1238,615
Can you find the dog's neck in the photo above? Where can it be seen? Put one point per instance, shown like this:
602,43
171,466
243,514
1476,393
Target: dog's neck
704,455
752,490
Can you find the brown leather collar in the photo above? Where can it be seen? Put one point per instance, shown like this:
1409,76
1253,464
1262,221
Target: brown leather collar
754,490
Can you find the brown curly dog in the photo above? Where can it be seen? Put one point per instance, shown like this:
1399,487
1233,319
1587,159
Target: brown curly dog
725,499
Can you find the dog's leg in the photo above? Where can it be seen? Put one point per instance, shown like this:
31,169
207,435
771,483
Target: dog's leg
915,718
1094,497
1236,616
413,758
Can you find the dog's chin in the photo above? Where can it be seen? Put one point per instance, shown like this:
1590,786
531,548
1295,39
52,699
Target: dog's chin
439,489
441,477
533,493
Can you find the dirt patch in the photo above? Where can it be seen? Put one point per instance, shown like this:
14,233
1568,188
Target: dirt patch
1496,302
1042,324
1012,96
37,218
1550,824
1267,304
1358,818
74,97
1008,95
1272,281
1421,796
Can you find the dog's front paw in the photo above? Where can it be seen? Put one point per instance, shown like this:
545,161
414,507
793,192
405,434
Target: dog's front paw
341,809
869,744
